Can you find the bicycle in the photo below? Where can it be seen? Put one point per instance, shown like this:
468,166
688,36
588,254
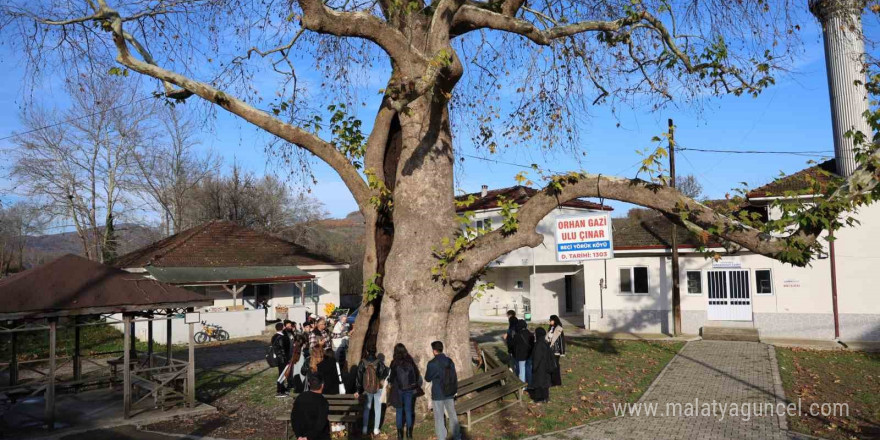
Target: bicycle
210,331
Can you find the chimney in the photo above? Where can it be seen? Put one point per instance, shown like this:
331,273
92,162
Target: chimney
484,190
844,52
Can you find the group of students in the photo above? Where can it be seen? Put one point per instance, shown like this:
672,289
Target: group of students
401,380
303,351
535,357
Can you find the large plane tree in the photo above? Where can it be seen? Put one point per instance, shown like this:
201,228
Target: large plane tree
497,73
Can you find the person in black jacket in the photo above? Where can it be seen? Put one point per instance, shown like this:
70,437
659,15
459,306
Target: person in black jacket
508,339
405,379
281,347
556,341
543,364
329,374
309,416
522,348
443,401
372,396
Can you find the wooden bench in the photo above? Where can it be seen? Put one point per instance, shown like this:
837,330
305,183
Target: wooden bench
481,389
344,408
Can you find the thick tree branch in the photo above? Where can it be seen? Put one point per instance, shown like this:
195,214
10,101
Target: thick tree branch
661,198
319,18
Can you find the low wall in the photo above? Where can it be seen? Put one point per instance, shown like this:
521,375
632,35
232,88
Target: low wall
239,324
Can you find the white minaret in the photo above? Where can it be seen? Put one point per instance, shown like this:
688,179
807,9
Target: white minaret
844,61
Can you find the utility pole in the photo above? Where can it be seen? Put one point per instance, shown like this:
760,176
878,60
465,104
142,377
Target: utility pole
676,289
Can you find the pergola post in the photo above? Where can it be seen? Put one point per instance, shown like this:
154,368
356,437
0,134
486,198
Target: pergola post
191,369
126,367
234,290
50,380
13,363
77,360
168,314
150,340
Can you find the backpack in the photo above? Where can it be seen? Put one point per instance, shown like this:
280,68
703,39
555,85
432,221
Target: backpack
273,354
450,380
371,377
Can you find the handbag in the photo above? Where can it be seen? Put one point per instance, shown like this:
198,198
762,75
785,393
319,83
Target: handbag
419,392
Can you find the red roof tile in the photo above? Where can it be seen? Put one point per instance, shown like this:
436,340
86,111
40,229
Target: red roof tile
802,182
519,194
221,244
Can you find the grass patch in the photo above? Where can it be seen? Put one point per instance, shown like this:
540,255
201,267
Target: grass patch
595,374
252,385
93,340
817,376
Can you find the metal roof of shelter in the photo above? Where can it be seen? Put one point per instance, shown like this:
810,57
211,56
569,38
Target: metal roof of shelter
229,275
72,285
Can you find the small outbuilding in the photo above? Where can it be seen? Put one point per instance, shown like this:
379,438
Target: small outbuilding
73,292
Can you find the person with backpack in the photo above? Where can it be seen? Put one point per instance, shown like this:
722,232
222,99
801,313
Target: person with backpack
279,356
405,379
444,384
371,373
522,349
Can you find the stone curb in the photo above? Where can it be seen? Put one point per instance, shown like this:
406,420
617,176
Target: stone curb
778,390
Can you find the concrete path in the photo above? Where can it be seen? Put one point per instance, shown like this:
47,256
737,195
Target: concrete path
726,373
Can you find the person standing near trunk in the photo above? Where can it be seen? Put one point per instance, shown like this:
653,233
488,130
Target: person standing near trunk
556,340
508,340
542,367
444,384
320,335
522,349
369,382
281,348
309,417
404,379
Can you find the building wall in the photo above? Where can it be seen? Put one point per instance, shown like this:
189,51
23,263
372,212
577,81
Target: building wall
799,307
326,287
857,252
240,324
543,292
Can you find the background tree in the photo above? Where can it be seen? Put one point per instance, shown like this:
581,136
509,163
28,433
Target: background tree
18,221
556,57
82,164
689,186
171,167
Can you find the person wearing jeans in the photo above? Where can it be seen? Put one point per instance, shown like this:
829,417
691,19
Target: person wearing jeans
405,380
369,382
443,400
405,416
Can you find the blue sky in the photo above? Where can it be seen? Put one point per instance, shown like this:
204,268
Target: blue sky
793,115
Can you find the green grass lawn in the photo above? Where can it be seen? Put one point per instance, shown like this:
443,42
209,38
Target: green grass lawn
822,376
93,340
595,374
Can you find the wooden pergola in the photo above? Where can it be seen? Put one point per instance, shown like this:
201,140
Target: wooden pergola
74,292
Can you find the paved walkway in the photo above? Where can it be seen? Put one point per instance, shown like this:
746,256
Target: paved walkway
703,372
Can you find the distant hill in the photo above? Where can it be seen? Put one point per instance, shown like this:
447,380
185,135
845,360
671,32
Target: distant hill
42,248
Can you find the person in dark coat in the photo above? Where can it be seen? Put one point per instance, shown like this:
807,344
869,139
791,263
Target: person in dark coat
556,341
405,379
309,417
543,364
281,347
508,340
329,374
522,348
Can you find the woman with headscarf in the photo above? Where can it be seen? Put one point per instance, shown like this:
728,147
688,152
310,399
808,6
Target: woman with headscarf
556,340
543,365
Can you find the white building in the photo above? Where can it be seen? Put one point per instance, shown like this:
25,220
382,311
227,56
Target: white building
741,289
528,280
252,277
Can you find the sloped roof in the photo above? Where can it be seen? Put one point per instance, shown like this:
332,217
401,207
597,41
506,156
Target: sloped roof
801,182
648,229
222,244
519,194
72,285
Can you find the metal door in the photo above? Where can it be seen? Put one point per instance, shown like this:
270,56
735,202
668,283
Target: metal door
730,296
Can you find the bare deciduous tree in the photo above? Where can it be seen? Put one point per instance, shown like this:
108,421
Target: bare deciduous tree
555,57
82,164
170,168
18,221
689,186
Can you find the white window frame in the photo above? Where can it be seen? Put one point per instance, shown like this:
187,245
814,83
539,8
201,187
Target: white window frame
632,279
772,286
702,284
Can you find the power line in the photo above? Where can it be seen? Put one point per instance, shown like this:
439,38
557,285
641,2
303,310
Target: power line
67,121
795,153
